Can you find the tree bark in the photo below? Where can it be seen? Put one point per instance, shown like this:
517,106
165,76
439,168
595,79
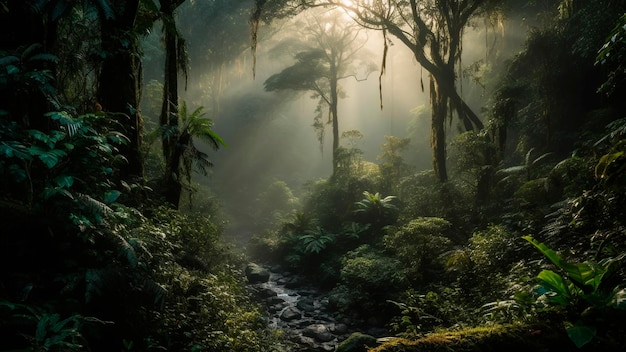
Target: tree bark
333,113
439,105
169,111
120,81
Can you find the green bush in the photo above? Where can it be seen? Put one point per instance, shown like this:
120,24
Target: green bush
368,278
418,244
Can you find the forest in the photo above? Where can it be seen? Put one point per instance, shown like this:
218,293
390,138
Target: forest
312,175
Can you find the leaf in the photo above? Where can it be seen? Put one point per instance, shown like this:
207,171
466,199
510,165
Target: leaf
554,282
582,274
111,196
581,334
64,181
52,158
618,300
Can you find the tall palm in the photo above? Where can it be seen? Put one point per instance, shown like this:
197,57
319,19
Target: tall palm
184,154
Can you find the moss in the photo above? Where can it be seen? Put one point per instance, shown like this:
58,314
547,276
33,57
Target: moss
357,342
482,339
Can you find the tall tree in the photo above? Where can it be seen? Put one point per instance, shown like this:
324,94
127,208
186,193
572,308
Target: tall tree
328,53
433,31
175,60
120,78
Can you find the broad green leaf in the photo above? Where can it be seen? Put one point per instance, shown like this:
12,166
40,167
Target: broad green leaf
581,273
581,334
554,282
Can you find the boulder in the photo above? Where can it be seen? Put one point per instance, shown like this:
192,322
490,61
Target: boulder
357,342
257,274
290,314
319,332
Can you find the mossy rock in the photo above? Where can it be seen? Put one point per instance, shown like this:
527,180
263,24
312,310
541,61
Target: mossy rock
357,342
496,338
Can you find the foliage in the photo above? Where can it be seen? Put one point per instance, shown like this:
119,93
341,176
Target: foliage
40,172
418,244
490,266
192,126
611,167
49,332
438,308
392,166
612,54
314,241
581,290
368,278
332,203
423,196
376,210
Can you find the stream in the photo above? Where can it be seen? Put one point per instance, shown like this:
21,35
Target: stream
301,312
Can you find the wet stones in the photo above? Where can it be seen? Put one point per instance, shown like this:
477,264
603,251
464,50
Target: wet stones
319,332
290,314
301,312
256,273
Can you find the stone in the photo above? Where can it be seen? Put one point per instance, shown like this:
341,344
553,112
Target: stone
256,274
357,342
340,328
290,314
319,332
306,304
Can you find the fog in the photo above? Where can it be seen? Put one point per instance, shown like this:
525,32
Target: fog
270,135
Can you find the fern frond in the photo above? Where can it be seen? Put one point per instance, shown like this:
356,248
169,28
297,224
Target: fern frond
126,250
30,51
94,206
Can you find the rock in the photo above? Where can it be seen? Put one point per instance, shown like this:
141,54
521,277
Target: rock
339,329
357,342
290,314
306,304
257,274
319,332
275,300
292,282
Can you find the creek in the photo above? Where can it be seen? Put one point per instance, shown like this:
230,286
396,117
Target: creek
300,311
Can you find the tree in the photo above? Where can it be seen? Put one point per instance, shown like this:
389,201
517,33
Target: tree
327,55
120,78
174,61
433,31
184,155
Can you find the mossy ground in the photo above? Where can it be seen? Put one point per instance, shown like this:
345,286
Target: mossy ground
497,338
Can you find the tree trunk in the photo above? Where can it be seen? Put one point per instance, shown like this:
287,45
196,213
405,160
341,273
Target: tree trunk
120,81
333,113
439,106
169,110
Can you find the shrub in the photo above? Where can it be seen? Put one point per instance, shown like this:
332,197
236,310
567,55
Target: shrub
418,244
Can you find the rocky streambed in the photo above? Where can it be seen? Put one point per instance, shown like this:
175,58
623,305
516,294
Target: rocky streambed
302,312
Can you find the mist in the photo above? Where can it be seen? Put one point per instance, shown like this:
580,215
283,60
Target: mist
270,135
